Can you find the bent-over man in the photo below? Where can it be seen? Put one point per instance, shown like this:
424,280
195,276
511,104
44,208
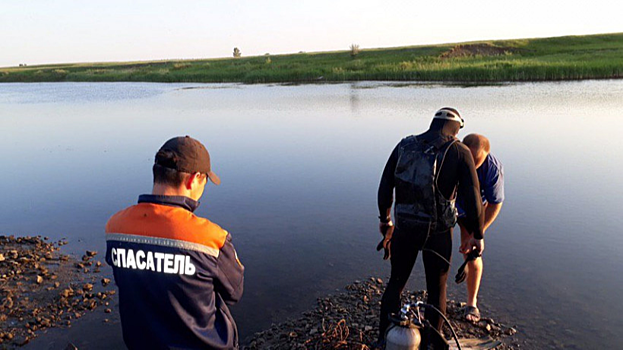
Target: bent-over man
176,272
491,179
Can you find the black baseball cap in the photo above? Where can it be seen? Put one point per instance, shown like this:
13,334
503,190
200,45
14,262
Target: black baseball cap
185,154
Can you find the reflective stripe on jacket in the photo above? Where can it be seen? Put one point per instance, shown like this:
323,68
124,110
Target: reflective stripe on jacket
176,273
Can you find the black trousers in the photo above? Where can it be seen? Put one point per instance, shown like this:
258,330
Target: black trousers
404,250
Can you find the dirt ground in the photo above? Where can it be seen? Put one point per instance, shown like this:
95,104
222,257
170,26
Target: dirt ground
470,50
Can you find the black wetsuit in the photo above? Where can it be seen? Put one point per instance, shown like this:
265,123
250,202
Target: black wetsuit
457,173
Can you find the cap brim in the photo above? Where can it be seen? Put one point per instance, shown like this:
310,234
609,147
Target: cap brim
214,178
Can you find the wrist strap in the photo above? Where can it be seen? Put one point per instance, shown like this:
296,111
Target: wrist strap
385,220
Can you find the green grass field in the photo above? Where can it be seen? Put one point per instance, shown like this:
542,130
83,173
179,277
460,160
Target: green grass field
560,58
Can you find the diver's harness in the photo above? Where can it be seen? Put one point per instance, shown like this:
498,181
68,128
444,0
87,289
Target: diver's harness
419,203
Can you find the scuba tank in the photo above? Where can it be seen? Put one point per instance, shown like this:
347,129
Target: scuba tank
403,333
410,331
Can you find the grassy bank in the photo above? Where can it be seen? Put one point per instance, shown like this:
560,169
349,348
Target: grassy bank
561,58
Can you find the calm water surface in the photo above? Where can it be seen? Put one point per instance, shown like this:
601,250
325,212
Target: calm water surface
300,167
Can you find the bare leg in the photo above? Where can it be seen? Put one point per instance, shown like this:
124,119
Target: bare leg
473,273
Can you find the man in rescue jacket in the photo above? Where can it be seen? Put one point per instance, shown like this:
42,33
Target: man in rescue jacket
176,272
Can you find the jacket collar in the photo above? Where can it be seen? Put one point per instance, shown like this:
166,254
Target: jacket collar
174,201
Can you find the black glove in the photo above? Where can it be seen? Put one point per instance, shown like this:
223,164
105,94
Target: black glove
387,229
460,275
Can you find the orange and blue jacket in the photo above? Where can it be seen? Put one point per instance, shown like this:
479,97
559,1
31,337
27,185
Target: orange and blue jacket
176,274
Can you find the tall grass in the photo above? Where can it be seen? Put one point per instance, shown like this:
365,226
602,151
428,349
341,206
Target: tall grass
562,58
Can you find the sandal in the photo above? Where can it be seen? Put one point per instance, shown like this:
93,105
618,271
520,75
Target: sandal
472,314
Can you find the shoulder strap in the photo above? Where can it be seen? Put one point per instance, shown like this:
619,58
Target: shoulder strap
441,157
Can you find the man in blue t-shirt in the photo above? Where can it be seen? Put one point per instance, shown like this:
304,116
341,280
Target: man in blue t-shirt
491,177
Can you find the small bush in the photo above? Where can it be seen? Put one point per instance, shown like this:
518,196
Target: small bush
354,50
405,65
178,66
355,65
237,53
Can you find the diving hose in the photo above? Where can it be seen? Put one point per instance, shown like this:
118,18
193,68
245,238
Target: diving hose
418,303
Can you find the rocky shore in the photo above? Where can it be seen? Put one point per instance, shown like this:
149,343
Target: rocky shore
349,320
42,288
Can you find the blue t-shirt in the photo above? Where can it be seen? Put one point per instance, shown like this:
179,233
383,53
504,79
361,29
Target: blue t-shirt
491,178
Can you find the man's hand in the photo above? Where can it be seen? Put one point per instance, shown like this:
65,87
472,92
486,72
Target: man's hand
387,230
473,244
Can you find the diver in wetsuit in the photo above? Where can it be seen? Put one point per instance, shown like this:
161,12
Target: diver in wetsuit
426,171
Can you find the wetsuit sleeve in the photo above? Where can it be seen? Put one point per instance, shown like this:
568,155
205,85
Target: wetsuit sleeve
469,191
386,187
230,274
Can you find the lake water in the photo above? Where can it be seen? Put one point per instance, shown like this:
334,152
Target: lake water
300,167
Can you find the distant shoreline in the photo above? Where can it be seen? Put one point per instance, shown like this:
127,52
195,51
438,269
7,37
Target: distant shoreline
520,60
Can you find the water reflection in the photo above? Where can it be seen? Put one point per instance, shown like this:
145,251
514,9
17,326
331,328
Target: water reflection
354,98
300,166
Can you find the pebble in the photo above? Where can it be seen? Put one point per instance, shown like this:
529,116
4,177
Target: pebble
343,321
30,266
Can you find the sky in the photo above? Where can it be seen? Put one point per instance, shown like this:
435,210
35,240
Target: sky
63,31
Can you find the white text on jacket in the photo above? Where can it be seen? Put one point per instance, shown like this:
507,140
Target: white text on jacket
153,261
